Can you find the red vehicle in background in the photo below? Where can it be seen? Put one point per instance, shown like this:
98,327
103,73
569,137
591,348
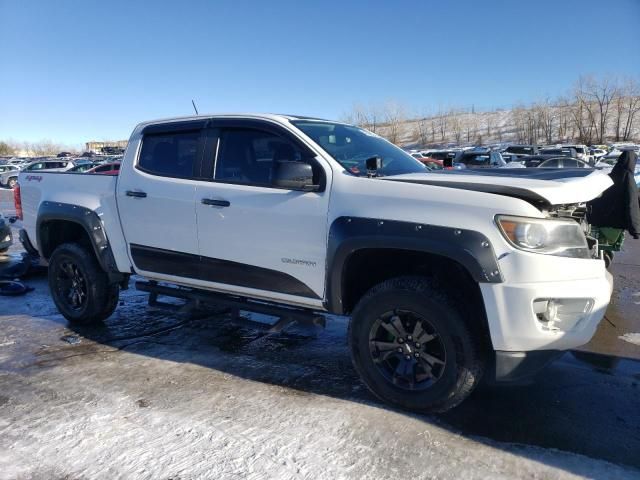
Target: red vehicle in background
432,163
106,169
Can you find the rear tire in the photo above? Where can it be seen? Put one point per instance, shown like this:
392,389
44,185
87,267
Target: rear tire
429,368
12,182
80,288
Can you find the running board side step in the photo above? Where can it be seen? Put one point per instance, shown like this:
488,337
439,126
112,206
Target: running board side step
196,297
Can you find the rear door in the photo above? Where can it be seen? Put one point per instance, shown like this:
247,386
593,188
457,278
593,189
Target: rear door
156,201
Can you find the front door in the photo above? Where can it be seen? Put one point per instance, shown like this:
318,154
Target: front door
257,238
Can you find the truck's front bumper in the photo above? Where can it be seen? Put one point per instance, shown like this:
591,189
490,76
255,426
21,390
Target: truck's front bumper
519,367
514,320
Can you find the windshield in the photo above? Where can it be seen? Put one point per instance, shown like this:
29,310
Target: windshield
352,146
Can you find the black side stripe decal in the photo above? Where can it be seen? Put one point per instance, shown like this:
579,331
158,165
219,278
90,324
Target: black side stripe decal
216,270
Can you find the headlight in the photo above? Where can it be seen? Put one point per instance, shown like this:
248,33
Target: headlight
563,238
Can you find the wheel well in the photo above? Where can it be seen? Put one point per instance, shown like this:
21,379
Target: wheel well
369,267
56,232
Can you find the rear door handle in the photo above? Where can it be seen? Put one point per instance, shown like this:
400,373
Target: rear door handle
214,202
132,193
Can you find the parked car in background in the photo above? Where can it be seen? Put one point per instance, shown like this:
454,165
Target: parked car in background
106,169
64,155
442,154
82,167
57,165
6,239
535,160
560,151
514,157
522,149
19,162
432,163
8,168
447,157
564,162
582,152
427,161
482,159
8,175
596,153
606,163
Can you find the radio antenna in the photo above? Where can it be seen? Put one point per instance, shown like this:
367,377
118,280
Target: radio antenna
194,106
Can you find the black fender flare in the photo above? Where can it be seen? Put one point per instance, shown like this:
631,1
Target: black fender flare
88,220
469,248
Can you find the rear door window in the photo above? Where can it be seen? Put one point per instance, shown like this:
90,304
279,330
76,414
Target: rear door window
170,154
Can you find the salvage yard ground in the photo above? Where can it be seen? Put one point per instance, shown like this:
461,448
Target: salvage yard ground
158,395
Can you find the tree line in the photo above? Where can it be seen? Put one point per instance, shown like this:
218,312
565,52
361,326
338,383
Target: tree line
595,111
40,148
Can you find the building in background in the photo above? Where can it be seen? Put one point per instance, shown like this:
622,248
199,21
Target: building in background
106,147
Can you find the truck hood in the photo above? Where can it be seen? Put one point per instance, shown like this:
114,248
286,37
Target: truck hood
540,187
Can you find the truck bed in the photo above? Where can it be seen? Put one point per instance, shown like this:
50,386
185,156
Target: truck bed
94,192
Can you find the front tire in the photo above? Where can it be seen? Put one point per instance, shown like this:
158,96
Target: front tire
413,348
80,288
12,182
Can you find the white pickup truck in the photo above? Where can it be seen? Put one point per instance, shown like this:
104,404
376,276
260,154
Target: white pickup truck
447,277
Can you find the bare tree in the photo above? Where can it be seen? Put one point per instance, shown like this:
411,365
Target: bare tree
422,131
583,113
442,121
524,120
456,127
394,117
470,126
546,117
563,109
598,95
632,107
363,116
491,121
6,149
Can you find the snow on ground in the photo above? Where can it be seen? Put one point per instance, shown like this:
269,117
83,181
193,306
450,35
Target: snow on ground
148,419
631,338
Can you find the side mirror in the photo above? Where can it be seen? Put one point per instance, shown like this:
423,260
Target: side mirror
294,176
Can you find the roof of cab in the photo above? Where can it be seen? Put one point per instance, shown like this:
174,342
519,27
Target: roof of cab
281,118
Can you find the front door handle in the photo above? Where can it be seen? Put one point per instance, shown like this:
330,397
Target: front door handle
133,193
216,203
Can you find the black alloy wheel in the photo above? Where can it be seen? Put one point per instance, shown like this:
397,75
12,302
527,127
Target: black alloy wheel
71,285
407,350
